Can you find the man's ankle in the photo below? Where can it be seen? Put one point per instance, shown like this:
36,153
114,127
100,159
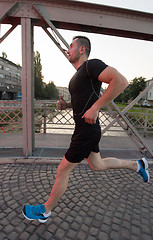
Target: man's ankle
46,209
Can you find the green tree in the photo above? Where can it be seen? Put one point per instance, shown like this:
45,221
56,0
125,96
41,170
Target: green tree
38,77
4,55
136,86
50,91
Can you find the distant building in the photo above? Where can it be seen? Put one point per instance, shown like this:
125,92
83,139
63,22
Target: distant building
147,98
64,92
10,80
150,92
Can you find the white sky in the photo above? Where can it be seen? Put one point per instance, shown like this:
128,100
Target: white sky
133,58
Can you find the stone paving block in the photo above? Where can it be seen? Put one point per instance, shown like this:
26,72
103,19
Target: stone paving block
88,220
4,222
85,228
21,227
147,237
113,235
90,238
65,226
75,226
105,228
41,229
47,235
116,227
34,236
71,234
3,236
136,230
81,235
103,235
69,219
24,236
60,233
93,231
96,223
12,236
9,228
79,219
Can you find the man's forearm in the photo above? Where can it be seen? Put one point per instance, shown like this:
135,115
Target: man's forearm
113,90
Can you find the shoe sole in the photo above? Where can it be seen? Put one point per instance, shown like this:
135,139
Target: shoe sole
146,168
30,219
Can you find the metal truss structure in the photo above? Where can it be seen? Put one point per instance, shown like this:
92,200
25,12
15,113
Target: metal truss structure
71,15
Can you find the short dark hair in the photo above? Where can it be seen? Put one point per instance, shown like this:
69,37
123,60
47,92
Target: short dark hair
84,41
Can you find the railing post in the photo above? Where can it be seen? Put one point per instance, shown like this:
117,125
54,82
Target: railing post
27,86
146,123
44,116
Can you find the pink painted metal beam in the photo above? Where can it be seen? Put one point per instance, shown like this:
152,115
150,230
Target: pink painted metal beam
27,86
87,17
8,32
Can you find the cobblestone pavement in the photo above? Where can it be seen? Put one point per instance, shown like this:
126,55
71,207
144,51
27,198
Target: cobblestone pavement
108,205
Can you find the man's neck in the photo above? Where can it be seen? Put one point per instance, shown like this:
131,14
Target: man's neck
80,62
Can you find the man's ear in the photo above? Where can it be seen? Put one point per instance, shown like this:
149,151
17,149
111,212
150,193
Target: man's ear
82,49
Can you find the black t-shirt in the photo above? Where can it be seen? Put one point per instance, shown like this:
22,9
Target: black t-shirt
85,87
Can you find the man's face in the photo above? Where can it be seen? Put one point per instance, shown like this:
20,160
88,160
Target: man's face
73,52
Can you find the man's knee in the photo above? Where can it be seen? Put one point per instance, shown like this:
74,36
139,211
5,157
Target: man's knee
65,167
95,162
94,167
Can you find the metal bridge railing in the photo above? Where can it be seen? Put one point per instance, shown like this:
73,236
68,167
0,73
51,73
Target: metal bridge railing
10,116
48,119
142,121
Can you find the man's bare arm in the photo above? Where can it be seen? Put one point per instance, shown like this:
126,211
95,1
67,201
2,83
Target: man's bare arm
116,84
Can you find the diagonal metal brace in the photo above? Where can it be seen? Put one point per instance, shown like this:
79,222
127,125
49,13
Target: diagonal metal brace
8,32
134,133
12,11
127,108
55,41
42,11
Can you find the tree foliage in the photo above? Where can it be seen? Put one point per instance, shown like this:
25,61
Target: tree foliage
42,90
50,91
136,86
38,77
4,55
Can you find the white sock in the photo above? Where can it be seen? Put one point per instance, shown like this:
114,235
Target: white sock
47,214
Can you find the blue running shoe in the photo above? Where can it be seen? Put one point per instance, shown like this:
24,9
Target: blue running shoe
35,212
143,171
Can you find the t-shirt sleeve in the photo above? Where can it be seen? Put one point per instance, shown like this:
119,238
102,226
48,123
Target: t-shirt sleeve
95,67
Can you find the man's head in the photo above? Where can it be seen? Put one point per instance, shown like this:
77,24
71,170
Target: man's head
84,42
79,48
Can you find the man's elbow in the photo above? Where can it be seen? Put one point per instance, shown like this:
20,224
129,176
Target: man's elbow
125,83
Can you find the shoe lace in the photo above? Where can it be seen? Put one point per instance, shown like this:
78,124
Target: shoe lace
37,210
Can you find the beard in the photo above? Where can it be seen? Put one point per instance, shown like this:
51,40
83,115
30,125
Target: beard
75,57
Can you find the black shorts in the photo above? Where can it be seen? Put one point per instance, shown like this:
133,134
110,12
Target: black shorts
85,140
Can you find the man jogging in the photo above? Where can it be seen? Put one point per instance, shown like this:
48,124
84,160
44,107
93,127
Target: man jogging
84,88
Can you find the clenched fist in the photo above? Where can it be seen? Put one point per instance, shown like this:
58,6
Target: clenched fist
61,105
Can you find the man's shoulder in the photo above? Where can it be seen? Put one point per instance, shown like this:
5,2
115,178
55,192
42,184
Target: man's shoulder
95,67
96,62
